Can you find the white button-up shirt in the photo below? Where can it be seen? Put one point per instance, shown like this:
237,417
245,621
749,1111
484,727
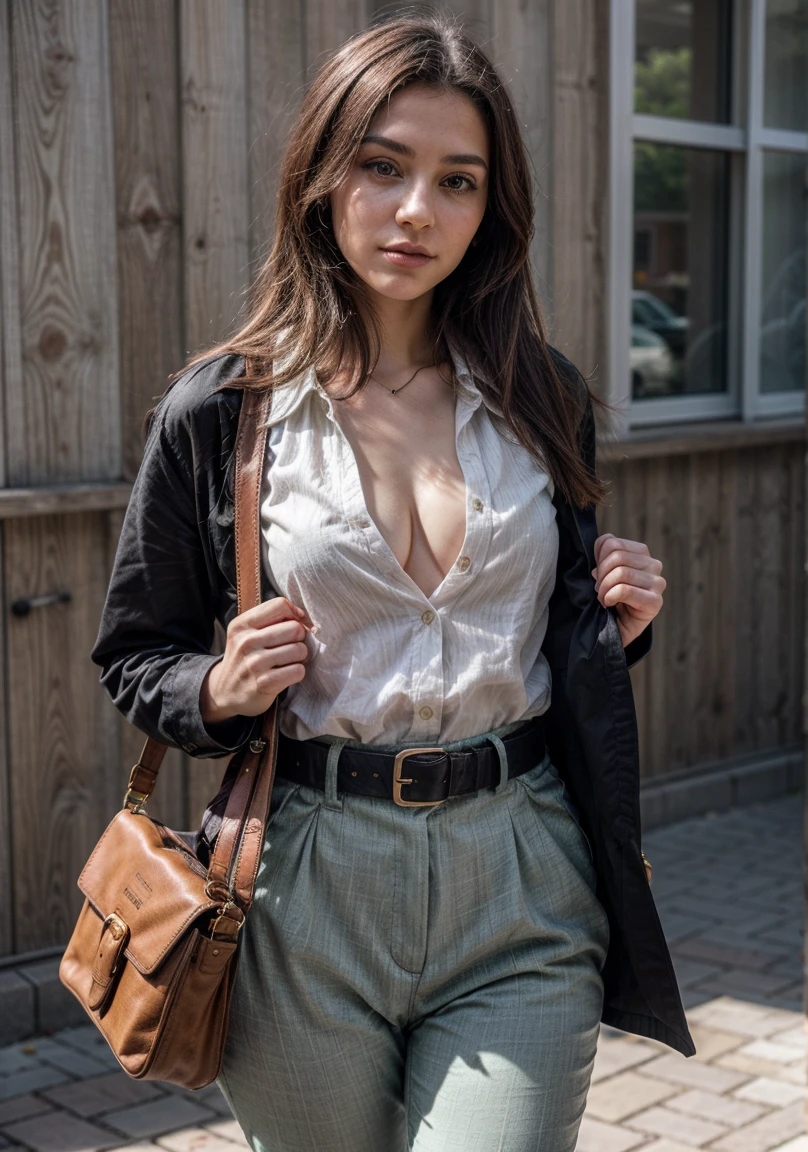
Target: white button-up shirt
389,664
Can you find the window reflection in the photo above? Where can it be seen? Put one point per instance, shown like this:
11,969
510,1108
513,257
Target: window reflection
786,84
783,309
682,59
679,276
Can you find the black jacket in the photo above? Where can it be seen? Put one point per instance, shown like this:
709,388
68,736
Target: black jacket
174,574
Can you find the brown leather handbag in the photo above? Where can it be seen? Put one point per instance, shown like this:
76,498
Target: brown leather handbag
153,955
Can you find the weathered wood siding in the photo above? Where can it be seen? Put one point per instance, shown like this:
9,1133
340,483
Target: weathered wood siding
724,677
140,142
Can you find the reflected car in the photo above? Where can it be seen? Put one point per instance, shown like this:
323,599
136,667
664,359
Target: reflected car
651,312
653,368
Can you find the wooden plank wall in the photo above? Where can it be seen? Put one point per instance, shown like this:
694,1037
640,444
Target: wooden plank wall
725,674
61,404
140,141
10,359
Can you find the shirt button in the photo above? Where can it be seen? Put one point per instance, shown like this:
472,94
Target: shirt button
427,616
464,563
363,523
425,713
477,504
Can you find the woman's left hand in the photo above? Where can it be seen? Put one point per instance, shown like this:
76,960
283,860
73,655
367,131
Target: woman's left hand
628,578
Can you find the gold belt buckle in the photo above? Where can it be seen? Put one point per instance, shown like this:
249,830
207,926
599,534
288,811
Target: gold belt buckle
398,780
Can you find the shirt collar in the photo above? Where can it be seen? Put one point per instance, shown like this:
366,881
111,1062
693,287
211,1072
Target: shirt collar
288,397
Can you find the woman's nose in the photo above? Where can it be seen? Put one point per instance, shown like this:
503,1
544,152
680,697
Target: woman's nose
415,207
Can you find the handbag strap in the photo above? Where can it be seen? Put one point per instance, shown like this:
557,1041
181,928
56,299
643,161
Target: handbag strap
237,851
236,855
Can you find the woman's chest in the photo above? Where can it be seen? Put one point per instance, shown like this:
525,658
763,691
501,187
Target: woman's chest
409,476
470,513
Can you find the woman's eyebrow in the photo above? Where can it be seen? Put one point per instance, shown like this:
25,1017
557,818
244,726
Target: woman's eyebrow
405,150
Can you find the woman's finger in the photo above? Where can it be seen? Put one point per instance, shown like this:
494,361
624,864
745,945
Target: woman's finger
622,574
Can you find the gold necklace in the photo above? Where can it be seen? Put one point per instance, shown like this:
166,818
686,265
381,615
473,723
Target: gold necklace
393,391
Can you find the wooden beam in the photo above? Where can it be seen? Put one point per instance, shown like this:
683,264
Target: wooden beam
685,439
17,503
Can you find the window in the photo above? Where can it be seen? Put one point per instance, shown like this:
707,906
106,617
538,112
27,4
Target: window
709,209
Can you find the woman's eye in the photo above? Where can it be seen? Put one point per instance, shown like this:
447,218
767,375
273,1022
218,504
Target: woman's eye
377,165
466,184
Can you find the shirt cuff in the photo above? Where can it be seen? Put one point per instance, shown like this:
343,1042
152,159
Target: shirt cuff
640,646
184,716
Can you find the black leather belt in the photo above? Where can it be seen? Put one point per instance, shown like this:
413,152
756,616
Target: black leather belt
426,775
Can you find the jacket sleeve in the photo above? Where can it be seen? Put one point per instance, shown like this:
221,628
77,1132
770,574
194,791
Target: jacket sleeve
157,624
641,645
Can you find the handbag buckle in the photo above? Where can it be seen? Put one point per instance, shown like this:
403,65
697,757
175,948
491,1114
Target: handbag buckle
217,928
134,800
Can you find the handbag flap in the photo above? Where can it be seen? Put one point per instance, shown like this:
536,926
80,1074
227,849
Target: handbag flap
148,877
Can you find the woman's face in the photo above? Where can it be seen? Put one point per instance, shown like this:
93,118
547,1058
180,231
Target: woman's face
419,181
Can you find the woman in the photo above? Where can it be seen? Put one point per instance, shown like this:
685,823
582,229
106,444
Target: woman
435,938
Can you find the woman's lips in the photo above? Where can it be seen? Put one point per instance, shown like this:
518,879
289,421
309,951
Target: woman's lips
406,259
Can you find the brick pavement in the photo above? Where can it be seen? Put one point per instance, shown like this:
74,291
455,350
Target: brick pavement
729,892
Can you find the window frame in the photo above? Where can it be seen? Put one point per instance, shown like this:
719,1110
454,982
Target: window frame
746,140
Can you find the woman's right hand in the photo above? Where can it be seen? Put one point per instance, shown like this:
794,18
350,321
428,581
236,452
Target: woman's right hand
264,653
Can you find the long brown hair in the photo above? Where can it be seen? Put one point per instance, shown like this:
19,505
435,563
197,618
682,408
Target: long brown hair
303,303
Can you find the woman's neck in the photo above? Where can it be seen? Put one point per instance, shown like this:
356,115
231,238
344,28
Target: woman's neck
404,327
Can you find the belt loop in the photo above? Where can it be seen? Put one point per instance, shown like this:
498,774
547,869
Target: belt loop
503,763
331,766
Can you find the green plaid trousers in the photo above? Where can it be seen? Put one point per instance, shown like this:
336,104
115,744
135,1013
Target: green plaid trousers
424,979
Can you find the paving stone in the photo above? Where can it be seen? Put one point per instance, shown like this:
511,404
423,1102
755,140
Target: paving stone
728,954
682,926
618,1055
17,1008
752,1065
31,1080
794,1036
229,1130
742,982
693,997
691,971
678,1069
77,1064
793,1073
102,1094
195,1140
55,1006
710,1042
722,1109
156,1117
730,1014
768,1050
792,997
210,1096
595,1136
686,1129
21,1107
624,1095
87,1040
15,1059
773,1093
660,1146
766,1133
59,1132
